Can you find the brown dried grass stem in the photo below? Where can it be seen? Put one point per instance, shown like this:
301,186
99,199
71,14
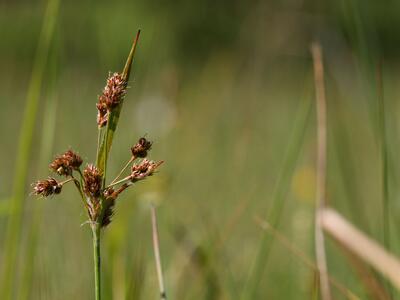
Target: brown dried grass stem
361,245
316,52
157,256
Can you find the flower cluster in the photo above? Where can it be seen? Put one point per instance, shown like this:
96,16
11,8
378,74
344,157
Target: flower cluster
111,97
47,187
143,169
92,178
66,163
99,199
98,196
141,147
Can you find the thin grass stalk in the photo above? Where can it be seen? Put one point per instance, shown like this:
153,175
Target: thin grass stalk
316,52
384,164
14,225
46,145
97,261
123,170
384,159
278,200
157,256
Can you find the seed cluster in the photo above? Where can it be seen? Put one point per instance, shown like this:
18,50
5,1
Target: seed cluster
112,95
92,181
141,147
143,169
66,163
47,187
100,199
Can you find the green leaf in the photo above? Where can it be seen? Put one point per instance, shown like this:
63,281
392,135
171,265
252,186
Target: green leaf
24,152
113,119
5,208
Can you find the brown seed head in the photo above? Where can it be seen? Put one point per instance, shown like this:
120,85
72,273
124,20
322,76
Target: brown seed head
102,113
93,178
64,164
112,95
47,187
143,169
114,91
108,212
141,147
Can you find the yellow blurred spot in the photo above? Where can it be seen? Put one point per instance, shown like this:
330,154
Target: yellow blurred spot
303,184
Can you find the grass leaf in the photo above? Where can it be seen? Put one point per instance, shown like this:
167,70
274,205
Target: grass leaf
105,146
24,150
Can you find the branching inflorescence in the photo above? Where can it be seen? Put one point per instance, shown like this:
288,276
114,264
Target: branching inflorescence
98,197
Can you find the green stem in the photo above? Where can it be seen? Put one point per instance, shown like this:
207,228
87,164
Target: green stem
96,260
127,178
123,169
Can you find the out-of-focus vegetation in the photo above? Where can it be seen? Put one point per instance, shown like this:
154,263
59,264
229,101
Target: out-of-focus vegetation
225,91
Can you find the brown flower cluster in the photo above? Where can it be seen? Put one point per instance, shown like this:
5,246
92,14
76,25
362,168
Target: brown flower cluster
92,181
112,95
63,165
66,163
99,199
141,147
144,169
47,187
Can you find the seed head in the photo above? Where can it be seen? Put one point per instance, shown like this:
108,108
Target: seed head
108,212
47,187
93,178
143,169
141,147
64,164
112,95
102,113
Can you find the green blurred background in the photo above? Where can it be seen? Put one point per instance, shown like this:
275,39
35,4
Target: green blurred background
225,91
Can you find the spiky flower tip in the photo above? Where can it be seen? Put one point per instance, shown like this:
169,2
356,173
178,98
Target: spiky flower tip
112,95
144,169
47,187
66,163
92,181
141,147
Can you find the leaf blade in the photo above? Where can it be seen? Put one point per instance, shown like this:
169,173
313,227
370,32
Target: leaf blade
113,118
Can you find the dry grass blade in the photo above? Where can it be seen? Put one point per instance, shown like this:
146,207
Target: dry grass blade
157,256
361,245
303,257
367,276
316,52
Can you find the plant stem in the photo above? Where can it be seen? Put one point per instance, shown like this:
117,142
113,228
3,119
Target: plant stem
123,169
320,193
119,181
157,256
96,260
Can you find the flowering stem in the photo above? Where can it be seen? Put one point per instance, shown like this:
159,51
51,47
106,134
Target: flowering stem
98,141
123,169
119,181
96,260
66,181
157,256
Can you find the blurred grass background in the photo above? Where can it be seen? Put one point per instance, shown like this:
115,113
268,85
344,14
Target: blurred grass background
225,91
